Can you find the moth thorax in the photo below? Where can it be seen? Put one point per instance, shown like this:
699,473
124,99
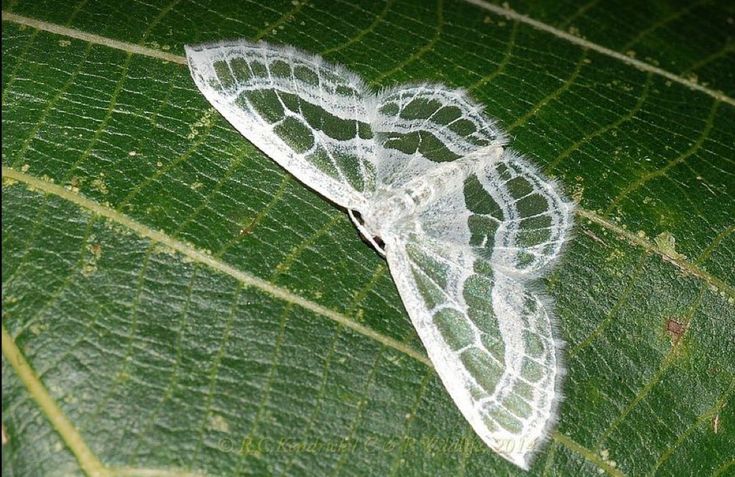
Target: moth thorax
412,198
388,211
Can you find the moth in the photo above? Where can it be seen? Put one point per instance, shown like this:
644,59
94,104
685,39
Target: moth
465,224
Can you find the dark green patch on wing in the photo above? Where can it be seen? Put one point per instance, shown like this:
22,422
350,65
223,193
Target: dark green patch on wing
224,76
485,371
306,75
422,142
486,216
431,276
478,297
280,69
265,102
295,133
454,328
323,162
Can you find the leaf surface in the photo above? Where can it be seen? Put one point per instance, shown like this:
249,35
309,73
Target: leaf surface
174,302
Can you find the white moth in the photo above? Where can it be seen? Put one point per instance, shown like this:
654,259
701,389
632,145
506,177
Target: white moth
464,223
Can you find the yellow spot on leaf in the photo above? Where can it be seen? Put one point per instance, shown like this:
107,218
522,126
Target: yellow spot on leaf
100,186
666,244
204,122
219,423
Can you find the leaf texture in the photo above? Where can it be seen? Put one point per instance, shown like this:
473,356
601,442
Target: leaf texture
186,307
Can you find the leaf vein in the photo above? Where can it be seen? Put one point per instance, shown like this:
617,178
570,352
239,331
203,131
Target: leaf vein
641,65
69,434
206,258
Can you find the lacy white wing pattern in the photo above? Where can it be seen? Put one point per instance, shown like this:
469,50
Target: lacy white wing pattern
307,115
519,220
460,264
517,217
490,340
506,212
418,127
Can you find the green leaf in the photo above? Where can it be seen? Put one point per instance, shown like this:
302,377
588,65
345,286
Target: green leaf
173,302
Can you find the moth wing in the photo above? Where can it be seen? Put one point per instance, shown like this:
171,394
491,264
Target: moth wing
490,340
418,127
506,212
307,115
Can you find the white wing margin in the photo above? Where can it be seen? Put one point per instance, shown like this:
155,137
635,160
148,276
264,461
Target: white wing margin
309,116
491,341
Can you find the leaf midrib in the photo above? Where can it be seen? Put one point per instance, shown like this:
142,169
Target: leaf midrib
641,65
203,257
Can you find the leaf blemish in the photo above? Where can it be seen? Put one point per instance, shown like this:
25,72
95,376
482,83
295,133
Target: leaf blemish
90,262
675,329
667,245
204,122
